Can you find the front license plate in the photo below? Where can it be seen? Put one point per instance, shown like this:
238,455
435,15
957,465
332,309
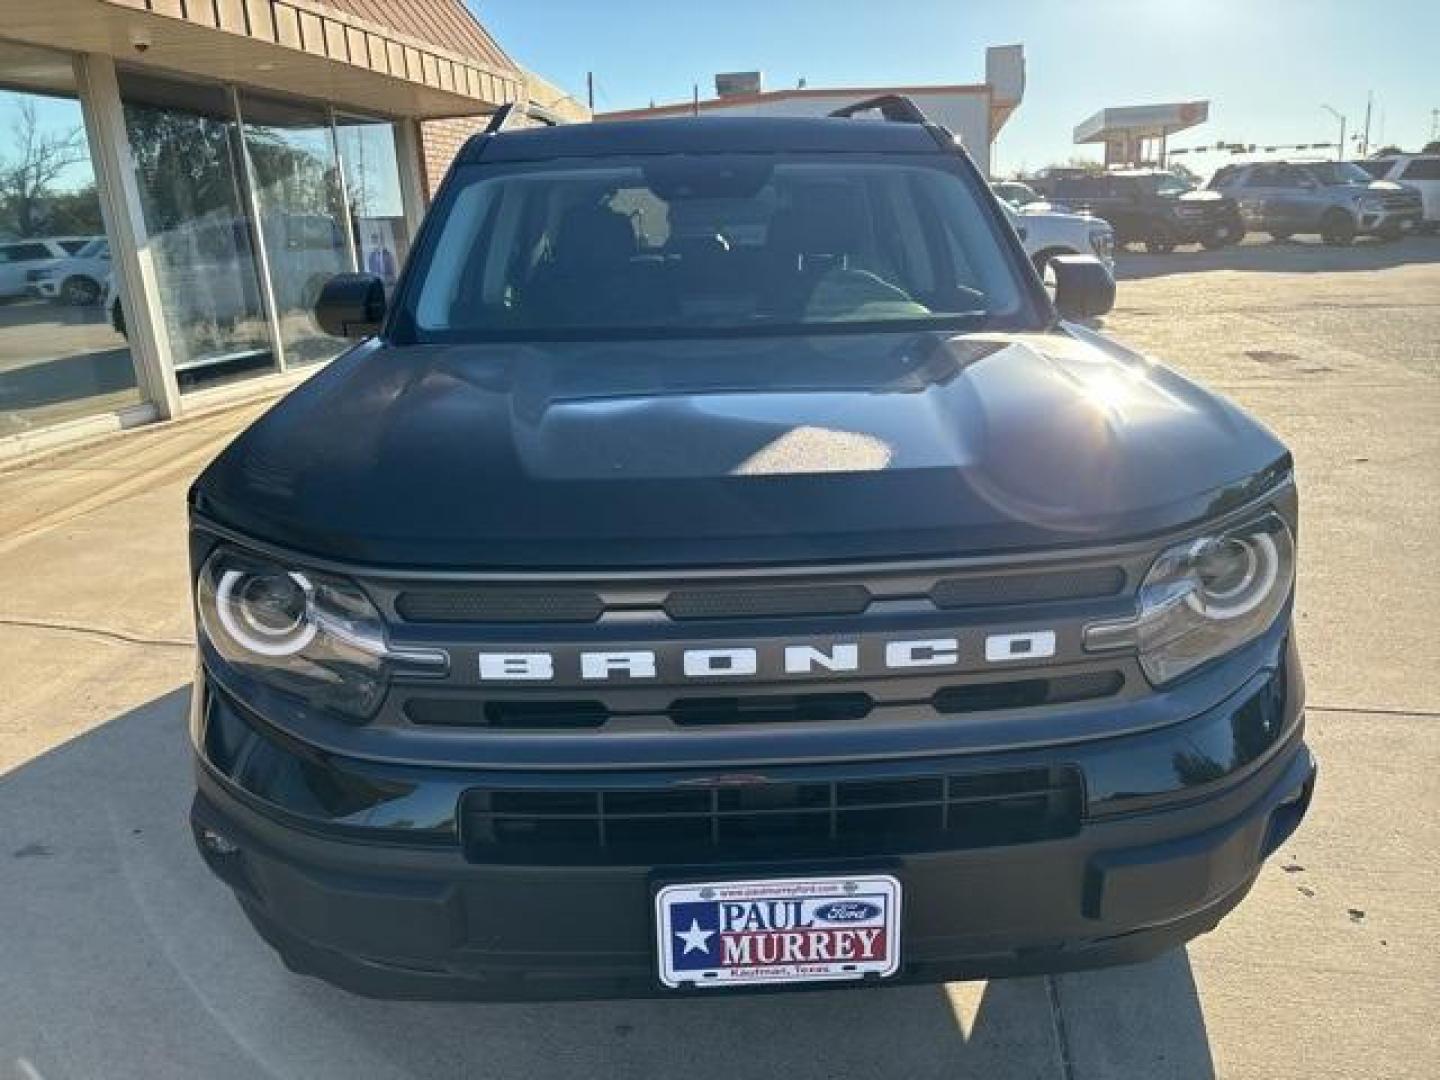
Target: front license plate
780,930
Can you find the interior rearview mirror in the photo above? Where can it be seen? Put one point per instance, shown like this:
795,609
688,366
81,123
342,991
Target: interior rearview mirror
351,306
1083,287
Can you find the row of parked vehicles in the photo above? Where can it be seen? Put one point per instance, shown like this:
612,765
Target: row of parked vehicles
1337,201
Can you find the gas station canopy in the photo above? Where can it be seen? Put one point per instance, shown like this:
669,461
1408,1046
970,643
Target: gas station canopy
1124,130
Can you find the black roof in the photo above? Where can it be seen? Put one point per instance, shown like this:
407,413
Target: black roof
704,134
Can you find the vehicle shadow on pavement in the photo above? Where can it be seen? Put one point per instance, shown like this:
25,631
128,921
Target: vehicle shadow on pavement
122,957
1296,256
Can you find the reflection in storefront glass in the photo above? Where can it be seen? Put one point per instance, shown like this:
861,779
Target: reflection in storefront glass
187,162
298,187
372,180
60,358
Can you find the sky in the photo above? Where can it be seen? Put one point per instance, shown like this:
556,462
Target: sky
1266,66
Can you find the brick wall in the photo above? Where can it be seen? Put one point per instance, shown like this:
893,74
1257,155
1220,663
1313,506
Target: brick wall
440,141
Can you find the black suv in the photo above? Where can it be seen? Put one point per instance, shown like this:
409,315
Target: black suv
721,565
1150,207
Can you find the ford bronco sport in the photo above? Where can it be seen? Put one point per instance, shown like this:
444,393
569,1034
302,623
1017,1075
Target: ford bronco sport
721,564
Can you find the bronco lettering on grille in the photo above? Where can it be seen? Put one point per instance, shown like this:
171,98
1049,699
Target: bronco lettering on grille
745,663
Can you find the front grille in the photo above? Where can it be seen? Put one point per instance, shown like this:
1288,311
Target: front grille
484,604
511,604
692,824
991,590
724,603
540,715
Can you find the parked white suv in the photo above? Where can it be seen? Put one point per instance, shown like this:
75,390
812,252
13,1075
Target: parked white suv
1047,233
22,260
79,280
1418,171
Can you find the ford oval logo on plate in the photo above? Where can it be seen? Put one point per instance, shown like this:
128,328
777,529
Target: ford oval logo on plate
845,911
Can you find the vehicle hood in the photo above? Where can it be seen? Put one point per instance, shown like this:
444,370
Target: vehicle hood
1204,198
1374,187
708,452
1048,212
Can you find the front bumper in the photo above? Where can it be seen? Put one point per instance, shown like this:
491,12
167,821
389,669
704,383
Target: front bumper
1174,826
1390,221
1224,225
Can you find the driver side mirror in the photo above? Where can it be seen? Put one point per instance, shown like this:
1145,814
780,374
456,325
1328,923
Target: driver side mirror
1083,287
351,306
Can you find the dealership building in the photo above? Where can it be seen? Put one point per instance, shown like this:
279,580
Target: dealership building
177,177
974,112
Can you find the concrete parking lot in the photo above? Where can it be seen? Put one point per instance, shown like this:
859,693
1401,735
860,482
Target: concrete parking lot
120,957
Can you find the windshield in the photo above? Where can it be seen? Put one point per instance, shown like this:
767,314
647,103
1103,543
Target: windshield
1171,185
685,244
1331,173
1017,194
93,250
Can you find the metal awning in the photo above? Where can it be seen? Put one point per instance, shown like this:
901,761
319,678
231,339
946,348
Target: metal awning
296,47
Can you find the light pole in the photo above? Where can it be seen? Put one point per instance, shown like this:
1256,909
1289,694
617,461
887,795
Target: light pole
1340,155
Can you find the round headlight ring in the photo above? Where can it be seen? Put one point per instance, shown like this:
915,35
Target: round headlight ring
1262,566
239,609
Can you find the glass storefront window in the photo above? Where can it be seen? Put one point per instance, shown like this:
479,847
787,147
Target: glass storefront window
60,357
299,191
188,163
372,181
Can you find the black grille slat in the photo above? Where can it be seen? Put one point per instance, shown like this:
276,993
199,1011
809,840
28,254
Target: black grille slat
547,715
512,715
989,590
770,709
1028,693
753,602
799,819
499,605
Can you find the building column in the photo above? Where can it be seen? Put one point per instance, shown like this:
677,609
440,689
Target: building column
124,218
409,156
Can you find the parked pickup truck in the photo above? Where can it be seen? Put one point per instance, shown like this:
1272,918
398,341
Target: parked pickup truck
1335,199
798,597
1150,207
1047,233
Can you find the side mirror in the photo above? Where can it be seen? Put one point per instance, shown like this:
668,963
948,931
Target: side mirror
351,306
1083,287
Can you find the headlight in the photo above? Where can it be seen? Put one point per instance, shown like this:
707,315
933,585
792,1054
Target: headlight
1370,205
1102,242
313,635
1204,598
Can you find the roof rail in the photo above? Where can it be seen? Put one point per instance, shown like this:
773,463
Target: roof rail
896,108
501,118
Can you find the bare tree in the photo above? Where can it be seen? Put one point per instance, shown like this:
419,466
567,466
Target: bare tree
41,158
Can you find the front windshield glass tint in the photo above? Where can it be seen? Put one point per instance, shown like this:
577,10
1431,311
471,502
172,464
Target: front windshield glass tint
710,242
1331,173
1171,185
1017,194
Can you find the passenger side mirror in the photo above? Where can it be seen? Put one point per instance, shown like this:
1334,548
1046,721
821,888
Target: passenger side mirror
351,306
1083,287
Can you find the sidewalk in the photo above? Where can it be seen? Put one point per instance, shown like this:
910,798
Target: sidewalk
94,604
